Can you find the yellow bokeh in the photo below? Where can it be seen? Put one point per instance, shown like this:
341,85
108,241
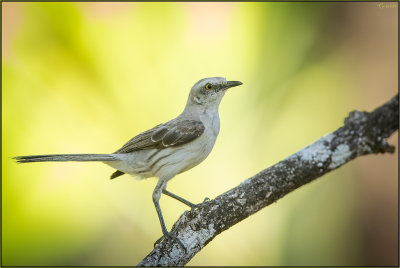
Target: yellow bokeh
87,77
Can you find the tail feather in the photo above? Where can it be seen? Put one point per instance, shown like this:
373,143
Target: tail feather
65,157
116,174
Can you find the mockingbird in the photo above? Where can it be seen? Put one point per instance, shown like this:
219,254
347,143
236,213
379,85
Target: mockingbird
167,149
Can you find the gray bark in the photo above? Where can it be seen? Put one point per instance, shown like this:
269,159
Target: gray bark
363,133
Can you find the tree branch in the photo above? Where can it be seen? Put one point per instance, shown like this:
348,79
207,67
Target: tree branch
363,133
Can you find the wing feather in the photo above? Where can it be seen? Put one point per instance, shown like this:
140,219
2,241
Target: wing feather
172,133
159,134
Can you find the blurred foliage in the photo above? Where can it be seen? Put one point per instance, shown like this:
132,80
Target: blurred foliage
86,77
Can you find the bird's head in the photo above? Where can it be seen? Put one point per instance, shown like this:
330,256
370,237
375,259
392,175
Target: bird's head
209,91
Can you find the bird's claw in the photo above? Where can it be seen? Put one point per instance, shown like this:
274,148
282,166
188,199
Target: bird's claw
193,206
172,237
205,201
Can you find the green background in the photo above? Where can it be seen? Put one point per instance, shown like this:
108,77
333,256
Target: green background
86,77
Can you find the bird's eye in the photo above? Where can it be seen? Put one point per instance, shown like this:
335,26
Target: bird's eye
209,86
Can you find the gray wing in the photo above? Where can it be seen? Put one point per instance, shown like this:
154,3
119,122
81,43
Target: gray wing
172,133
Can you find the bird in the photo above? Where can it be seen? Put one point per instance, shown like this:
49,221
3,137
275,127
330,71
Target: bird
167,149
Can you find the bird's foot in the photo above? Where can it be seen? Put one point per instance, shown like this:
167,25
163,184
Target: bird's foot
168,235
193,206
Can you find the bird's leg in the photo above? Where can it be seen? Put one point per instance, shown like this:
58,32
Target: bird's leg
184,201
156,198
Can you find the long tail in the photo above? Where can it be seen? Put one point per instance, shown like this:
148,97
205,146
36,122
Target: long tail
65,157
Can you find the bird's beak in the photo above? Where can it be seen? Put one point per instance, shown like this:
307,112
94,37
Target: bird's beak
230,84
